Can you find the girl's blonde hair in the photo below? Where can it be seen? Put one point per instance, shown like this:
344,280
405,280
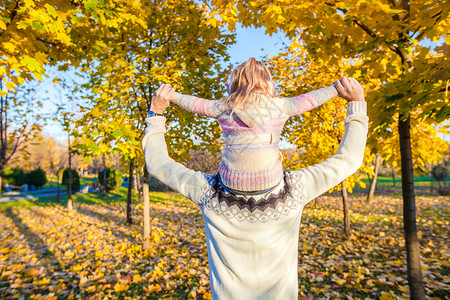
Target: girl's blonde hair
247,78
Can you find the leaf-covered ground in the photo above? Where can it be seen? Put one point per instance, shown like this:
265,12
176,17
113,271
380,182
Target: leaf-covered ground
45,253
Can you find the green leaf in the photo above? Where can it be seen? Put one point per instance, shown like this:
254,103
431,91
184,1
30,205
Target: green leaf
51,10
38,26
91,5
5,20
32,64
22,25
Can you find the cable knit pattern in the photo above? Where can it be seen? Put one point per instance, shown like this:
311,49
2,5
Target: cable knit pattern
259,124
253,241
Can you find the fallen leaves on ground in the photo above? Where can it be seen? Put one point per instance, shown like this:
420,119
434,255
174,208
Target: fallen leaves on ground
46,253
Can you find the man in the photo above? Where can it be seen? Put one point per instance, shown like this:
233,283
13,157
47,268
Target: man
253,240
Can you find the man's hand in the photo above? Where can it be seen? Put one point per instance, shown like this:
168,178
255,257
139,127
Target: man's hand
349,89
161,98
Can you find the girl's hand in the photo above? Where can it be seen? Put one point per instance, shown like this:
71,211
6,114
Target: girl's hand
349,89
161,98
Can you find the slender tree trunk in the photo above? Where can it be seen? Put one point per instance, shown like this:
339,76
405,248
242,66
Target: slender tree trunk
345,207
147,218
431,181
135,183
415,282
393,176
440,188
130,192
69,188
141,196
104,175
1,183
369,179
373,184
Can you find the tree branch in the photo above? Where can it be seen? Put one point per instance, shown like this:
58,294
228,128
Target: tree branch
367,30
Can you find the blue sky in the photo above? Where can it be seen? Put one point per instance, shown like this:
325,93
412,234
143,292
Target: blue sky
253,42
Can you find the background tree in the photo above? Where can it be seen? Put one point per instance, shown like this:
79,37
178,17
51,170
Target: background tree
13,176
113,179
36,178
57,161
390,38
439,173
71,181
130,191
19,121
56,158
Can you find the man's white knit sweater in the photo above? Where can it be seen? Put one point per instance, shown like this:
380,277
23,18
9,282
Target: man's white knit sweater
253,242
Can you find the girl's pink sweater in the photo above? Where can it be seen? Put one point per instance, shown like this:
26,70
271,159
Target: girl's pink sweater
251,160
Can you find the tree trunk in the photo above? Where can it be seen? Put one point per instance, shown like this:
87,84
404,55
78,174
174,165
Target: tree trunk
104,175
136,183
373,184
147,219
393,176
431,181
141,197
345,207
69,188
1,183
415,282
130,192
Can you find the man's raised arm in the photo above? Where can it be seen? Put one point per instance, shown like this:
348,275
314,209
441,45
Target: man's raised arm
349,157
183,180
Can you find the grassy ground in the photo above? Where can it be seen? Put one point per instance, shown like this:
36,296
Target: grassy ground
47,253
112,198
423,185
52,184
418,181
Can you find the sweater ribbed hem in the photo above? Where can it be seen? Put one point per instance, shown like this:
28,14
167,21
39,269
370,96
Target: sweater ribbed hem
156,120
357,107
250,181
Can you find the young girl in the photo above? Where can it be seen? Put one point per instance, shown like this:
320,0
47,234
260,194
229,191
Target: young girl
252,118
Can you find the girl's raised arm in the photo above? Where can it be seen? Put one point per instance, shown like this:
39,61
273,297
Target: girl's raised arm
204,107
299,104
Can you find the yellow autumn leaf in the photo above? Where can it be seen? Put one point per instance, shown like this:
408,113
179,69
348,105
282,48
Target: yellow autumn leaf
137,278
386,296
44,281
120,287
91,289
77,268
340,281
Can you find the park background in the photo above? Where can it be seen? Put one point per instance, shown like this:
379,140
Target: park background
77,79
